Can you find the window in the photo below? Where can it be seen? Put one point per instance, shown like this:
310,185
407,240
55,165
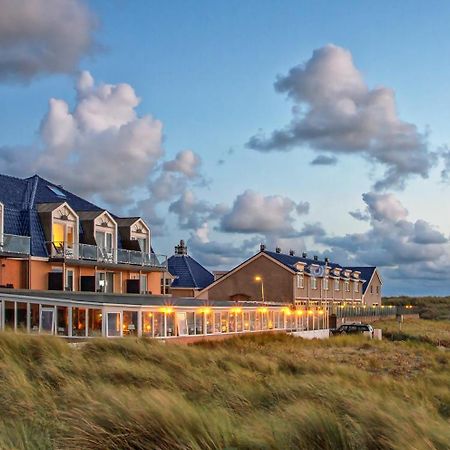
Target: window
356,286
105,282
113,324
62,321
21,310
325,284
143,284
104,240
69,280
336,285
378,289
130,319
300,280
57,191
34,318
347,286
78,322
147,323
313,283
165,285
10,315
371,289
95,322
143,244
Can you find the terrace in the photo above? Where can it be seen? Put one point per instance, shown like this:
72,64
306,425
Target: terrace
86,252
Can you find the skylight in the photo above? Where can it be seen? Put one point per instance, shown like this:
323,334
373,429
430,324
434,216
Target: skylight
57,191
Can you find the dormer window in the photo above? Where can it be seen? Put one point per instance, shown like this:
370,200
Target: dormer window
61,224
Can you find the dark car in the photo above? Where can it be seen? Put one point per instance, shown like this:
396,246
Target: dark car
354,328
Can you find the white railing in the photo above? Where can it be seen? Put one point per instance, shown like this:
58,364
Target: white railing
12,244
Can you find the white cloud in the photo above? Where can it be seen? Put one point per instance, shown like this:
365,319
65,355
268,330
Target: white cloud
335,111
254,213
100,148
43,37
393,240
186,162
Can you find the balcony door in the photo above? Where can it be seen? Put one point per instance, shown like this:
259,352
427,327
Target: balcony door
104,240
63,239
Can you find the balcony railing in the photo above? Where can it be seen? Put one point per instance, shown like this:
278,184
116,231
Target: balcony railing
88,252
16,245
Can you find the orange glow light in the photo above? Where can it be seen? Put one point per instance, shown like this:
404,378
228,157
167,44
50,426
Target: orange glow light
299,312
310,312
263,310
236,310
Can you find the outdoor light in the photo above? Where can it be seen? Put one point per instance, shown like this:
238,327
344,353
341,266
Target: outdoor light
167,310
263,310
205,310
321,312
236,310
299,312
310,312
259,278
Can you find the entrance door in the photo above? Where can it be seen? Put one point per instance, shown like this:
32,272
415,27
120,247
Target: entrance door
47,320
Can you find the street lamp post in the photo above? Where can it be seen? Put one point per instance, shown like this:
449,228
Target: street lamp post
258,278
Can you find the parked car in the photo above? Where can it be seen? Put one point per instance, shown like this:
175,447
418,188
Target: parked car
354,328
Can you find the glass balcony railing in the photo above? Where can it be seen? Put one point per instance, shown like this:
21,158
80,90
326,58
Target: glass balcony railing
11,244
88,252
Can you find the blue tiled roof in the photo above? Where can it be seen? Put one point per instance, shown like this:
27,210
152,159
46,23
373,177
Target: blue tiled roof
189,272
21,197
290,261
366,274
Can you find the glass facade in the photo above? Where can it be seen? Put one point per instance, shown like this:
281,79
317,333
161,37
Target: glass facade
166,322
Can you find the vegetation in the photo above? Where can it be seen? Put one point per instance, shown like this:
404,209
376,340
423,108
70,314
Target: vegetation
434,332
254,392
435,308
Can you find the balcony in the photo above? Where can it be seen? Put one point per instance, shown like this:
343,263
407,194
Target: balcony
86,252
14,245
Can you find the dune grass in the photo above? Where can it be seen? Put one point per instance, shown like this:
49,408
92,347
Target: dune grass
435,332
431,308
254,392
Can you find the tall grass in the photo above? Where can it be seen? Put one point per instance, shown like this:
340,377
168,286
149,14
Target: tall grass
255,392
434,308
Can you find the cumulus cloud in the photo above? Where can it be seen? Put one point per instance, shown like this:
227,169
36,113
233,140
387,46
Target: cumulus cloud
334,110
43,37
324,160
220,254
186,162
193,213
253,212
94,148
393,239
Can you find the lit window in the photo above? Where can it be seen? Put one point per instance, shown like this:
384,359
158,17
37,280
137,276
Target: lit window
300,280
313,283
57,191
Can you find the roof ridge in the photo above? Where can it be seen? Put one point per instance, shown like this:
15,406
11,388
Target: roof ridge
189,268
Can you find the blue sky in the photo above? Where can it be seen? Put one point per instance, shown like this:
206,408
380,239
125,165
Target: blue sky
207,69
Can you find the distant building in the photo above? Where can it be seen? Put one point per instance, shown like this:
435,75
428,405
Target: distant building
285,278
189,276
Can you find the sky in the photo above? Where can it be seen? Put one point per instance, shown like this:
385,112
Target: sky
312,126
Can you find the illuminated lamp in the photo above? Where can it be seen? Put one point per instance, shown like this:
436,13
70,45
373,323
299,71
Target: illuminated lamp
299,312
263,309
236,310
310,312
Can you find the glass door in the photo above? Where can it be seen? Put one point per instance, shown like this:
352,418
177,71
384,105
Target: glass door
47,320
182,324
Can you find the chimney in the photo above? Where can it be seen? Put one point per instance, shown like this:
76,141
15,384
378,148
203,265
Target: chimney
304,255
316,258
327,260
291,253
181,249
262,247
278,250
